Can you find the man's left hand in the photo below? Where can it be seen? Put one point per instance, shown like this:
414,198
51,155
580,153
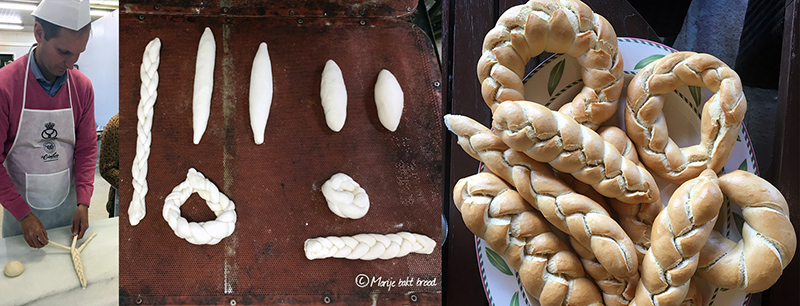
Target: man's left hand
81,221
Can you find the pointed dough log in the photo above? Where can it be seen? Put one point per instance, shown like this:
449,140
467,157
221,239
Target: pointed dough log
333,94
389,99
203,84
260,92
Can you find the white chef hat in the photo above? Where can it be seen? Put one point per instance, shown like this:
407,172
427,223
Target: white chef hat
70,14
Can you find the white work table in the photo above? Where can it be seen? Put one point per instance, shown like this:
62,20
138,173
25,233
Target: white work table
50,278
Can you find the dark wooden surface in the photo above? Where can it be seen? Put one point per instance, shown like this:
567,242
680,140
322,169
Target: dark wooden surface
464,26
785,167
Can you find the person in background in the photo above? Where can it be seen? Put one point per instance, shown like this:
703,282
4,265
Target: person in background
109,163
47,128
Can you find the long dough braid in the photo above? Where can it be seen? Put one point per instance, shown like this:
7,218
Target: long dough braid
636,220
570,212
149,73
76,262
555,138
679,232
548,270
368,246
768,243
720,122
570,27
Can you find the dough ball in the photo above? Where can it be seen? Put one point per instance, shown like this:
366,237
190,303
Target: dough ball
13,269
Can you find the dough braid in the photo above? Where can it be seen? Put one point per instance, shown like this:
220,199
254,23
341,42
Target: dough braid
149,74
768,243
679,232
570,212
368,246
557,139
636,220
570,27
548,270
721,119
209,232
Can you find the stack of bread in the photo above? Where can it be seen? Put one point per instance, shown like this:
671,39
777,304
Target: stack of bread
565,168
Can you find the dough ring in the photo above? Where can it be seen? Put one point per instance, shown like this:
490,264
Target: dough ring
345,197
768,243
570,27
209,232
720,123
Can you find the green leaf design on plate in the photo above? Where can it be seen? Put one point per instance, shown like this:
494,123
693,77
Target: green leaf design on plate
555,77
738,138
743,166
737,218
647,60
696,94
723,289
497,261
515,299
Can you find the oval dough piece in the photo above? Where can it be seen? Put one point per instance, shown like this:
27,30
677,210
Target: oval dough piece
333,94
260,92
389,100
203,84
13,269
345,197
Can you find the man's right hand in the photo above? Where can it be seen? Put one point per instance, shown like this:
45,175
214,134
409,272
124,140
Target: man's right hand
33,231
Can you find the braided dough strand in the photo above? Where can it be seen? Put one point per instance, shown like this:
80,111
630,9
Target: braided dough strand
547,269
557,139
721,119
209,232
148,72
570,27
573,213
679,232
368,246
768,243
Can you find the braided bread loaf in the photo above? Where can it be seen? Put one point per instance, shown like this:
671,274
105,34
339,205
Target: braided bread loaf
679,232
720,123
570,27
547,269
557,139
768,239
570,212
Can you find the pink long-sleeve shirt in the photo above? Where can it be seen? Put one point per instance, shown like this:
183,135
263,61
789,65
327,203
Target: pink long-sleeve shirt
12,77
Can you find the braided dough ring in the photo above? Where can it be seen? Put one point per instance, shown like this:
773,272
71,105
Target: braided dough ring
557,139
570,27
720,123
679,233
209,232
368,246
572,213
768,240
548,270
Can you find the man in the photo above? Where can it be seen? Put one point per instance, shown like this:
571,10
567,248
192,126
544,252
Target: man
47,128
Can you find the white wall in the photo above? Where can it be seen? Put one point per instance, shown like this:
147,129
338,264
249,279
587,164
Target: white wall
100,62
16,42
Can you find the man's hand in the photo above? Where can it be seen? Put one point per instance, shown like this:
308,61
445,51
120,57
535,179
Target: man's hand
81,221
33,231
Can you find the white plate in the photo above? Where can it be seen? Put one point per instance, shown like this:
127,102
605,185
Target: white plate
554,83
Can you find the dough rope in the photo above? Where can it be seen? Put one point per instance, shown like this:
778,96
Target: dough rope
557,139
548,270
679,232
368,246
209,232
570,27
345,197
203,84
573,213
148,72
721,118
768,243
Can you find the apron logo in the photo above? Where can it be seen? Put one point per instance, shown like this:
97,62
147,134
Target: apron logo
49,135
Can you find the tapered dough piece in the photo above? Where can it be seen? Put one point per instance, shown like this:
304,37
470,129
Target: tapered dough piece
260,92
333,94
389,99
203,83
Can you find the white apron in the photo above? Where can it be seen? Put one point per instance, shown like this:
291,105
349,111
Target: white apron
40,163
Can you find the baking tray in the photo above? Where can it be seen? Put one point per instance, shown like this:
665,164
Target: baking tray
276,186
